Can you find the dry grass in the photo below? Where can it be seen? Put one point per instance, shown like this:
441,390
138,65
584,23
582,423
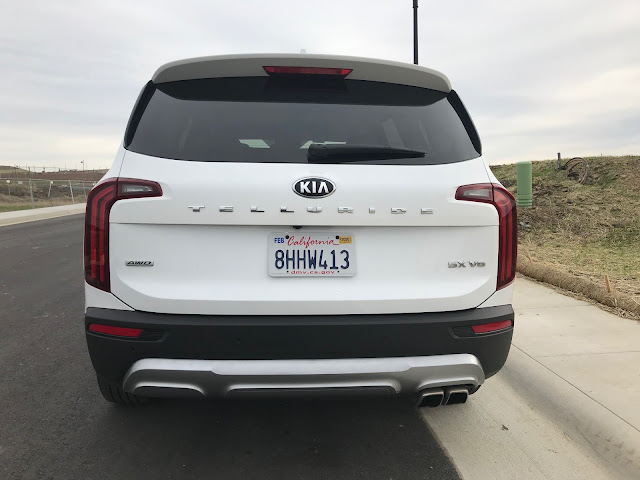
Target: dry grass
581,285
9,169
13,203
10,172
585,231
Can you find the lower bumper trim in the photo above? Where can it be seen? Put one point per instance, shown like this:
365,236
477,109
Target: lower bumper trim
223,378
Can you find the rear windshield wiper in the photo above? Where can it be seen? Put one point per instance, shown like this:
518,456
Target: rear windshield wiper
337,153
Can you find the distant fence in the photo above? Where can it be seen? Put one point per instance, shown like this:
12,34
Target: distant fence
40,192
50,174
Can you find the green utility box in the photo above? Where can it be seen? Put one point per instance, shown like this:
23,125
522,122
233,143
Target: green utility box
525,188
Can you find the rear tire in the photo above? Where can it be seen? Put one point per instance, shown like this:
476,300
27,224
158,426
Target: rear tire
113,392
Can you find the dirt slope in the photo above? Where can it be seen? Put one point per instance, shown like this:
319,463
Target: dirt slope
587,230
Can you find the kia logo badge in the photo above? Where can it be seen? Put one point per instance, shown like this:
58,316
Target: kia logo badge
314,187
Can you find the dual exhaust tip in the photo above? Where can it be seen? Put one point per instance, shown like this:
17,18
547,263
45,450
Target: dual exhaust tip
434,397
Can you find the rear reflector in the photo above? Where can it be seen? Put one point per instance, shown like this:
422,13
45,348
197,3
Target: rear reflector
341,72
492,327
116,331
505,204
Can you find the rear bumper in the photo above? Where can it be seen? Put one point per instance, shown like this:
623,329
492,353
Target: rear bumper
214,354
156,377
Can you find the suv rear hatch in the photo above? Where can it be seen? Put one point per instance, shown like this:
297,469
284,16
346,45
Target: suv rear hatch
227,153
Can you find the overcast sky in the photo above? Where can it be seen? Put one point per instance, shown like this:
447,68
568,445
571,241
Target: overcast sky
538,77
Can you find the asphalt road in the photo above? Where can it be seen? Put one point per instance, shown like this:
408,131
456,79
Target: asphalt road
54,423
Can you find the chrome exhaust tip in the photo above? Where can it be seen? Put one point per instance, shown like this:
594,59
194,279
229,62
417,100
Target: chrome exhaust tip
455,395
430,397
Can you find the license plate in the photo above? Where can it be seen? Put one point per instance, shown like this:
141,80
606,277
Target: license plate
311,255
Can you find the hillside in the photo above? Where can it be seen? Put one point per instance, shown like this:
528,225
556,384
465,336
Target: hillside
20,173
587,230
8,170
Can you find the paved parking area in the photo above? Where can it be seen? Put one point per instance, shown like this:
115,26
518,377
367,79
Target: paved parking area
564,406
55,425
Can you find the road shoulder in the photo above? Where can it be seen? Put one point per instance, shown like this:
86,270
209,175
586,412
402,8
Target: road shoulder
22,216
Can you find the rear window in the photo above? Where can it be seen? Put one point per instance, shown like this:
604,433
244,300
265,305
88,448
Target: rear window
274,120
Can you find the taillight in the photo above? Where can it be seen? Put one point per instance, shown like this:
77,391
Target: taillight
96,224
275,70
505,204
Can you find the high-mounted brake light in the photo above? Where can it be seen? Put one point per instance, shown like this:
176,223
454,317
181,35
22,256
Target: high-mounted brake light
505,204
96,223
116,331
275,70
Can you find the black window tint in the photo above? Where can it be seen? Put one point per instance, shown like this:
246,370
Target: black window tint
266,119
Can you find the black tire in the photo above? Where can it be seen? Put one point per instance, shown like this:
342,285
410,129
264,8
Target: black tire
113,392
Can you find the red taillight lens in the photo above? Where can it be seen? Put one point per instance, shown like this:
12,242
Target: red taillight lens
491,327
96,234
505,204
508,250
117,331
341,72
96,224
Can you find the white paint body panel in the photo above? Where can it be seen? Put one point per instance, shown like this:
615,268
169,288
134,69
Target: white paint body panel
501,297
269,186
213,262
96,298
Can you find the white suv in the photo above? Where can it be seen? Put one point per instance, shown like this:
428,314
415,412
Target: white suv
298,223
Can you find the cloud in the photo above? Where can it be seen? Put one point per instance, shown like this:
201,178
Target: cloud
537,77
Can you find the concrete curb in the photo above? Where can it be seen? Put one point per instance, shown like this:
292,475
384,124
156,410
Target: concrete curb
22,216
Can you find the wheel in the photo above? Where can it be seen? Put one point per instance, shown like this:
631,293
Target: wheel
113,392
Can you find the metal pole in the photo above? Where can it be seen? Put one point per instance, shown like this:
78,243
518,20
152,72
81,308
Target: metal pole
31,191
84,190
415,32
49,194
71,190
